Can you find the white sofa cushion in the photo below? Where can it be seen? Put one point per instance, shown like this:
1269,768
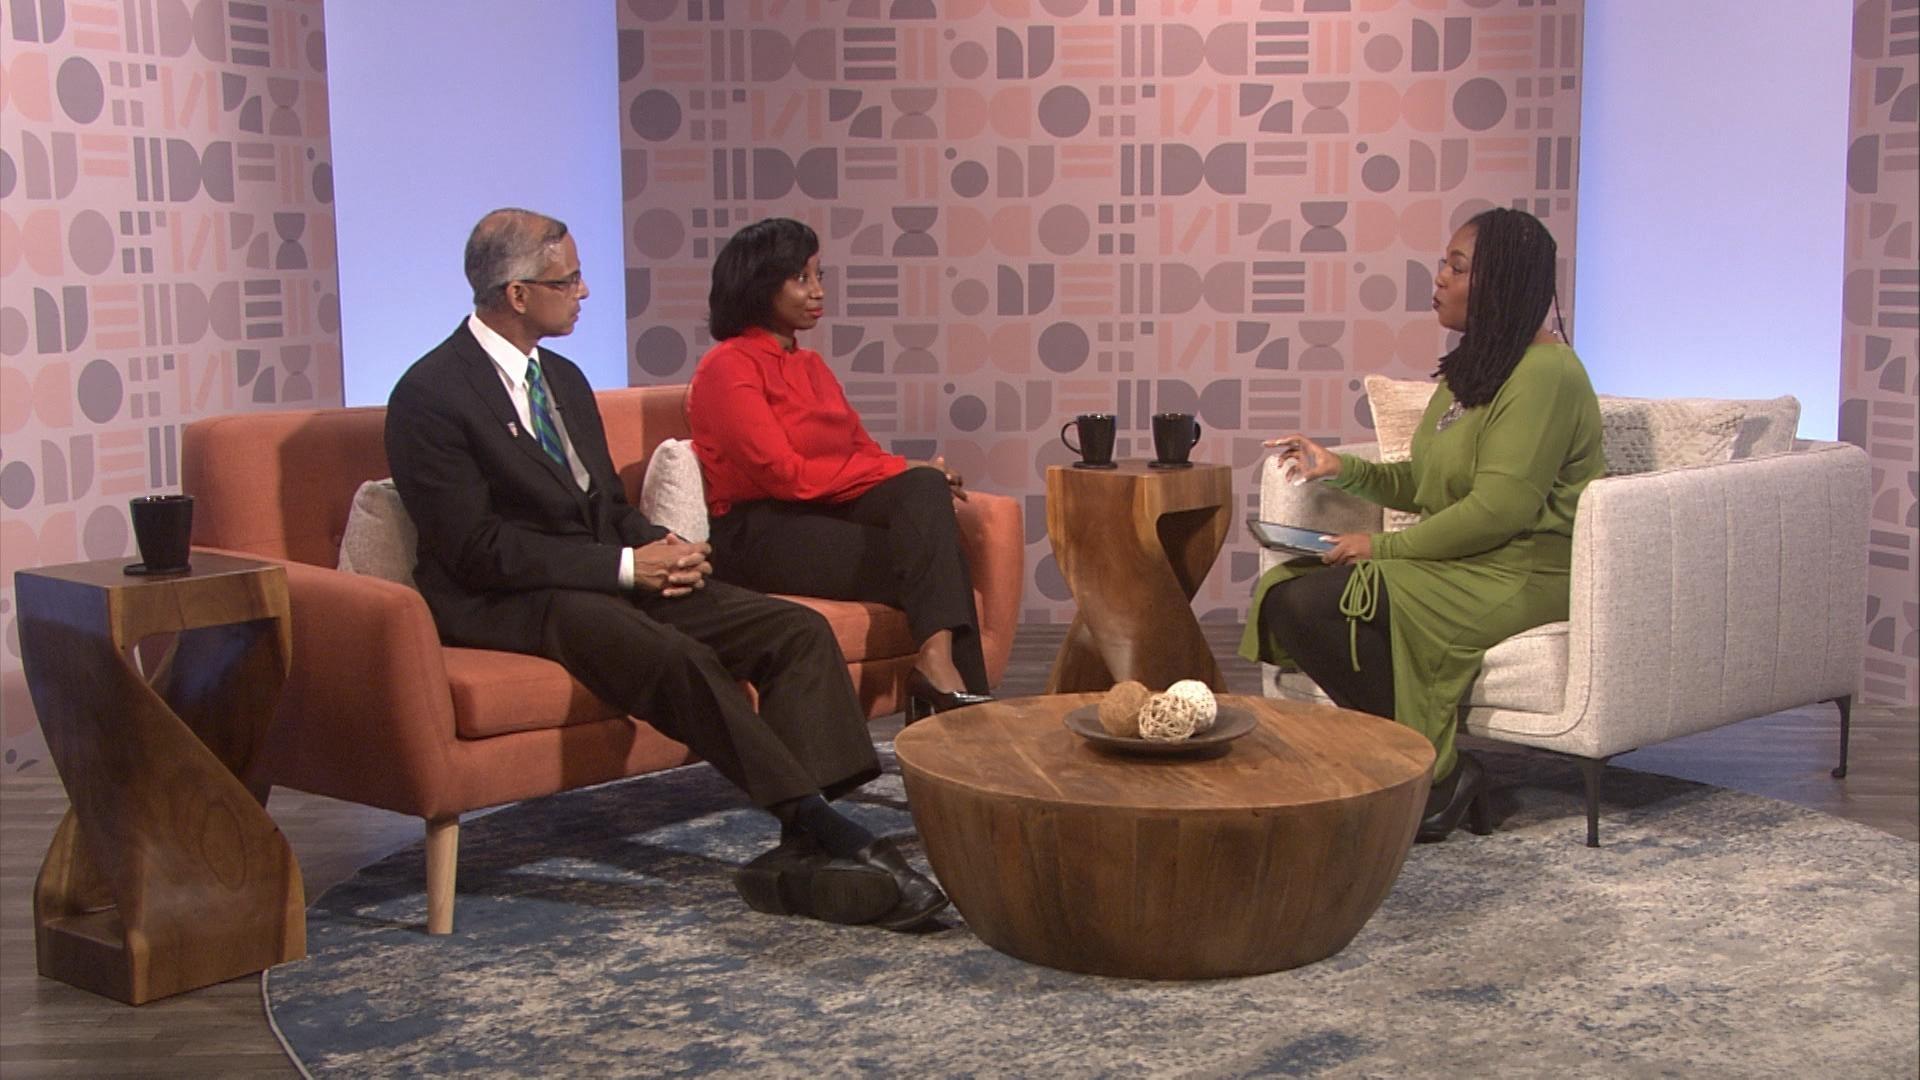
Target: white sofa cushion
1526,673
379,540
672,494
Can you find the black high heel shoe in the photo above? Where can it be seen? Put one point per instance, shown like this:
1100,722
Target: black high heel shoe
1462,794
924,699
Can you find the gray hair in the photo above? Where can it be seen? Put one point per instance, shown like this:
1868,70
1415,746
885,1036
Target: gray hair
508,245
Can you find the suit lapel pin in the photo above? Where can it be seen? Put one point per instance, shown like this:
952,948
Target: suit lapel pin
513,429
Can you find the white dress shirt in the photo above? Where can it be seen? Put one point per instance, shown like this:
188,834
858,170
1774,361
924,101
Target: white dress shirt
511,364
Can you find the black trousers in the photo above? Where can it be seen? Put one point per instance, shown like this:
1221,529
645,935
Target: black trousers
675,662
897,544
1303,615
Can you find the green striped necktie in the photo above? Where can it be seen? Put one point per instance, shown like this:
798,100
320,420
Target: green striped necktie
540,413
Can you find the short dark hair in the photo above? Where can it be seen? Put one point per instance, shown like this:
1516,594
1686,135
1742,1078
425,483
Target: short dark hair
750,269
508,245
1512,291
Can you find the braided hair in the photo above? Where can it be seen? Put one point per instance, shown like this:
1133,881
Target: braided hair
1512,291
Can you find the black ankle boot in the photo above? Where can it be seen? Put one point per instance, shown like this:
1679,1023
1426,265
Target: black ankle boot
1462,794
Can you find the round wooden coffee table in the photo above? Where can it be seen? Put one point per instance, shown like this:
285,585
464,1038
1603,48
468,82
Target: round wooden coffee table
1271,855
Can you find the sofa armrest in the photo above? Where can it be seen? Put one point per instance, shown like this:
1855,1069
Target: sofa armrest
1706,595
1315,505
992,537
368,672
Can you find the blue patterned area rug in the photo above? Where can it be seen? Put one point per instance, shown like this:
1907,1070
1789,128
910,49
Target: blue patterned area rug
598,935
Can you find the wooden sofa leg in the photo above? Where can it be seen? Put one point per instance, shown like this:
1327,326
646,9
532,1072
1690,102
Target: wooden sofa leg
443,855
1845,701
1590,769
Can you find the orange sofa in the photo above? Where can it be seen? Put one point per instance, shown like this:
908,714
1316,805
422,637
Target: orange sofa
377,711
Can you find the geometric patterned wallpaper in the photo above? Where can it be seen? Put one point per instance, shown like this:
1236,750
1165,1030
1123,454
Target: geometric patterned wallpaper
1037,208
166,253
1880,375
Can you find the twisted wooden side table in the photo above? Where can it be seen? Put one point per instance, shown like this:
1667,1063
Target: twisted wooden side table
1134,543
166,874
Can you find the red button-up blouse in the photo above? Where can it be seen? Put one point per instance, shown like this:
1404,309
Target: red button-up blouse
773,424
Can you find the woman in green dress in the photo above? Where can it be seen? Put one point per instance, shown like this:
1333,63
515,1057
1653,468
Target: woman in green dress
1396,624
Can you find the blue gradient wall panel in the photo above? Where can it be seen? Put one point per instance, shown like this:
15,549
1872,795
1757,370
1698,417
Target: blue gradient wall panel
1712,200
443,110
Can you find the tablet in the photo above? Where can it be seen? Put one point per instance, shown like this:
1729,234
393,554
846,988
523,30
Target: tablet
1290,538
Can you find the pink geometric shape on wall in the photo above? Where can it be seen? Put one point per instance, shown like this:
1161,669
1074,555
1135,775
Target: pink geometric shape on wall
1035,210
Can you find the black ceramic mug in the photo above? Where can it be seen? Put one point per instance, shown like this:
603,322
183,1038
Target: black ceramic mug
1096,439
1174,434
163,529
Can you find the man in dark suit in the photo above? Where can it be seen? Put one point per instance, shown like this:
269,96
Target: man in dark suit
527,544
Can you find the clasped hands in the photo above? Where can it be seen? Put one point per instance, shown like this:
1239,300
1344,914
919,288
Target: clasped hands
672,566
1301,460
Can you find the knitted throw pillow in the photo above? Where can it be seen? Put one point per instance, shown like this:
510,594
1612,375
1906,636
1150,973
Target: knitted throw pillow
1769,427
1398,405
1651,434
672,494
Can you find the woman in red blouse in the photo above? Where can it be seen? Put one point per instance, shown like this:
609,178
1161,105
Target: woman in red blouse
801,498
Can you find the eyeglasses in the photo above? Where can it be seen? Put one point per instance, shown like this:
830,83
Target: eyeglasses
570,283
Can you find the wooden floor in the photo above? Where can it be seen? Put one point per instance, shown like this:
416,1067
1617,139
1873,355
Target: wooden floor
49,1029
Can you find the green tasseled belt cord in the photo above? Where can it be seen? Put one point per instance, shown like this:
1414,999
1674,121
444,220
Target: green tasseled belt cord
1358,601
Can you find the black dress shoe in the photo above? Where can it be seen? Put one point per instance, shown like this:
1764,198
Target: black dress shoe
924,699
1462,794
799,878
920,898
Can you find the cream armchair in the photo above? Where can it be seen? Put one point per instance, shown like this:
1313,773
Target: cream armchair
1701,596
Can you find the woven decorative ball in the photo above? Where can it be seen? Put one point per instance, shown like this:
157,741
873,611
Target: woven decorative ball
1204,706
1120,709
1166,718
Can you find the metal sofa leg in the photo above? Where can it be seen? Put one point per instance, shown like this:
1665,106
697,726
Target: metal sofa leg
443,854
1845,701
1590,770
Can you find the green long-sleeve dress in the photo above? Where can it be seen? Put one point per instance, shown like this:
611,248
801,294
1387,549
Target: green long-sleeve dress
1492,556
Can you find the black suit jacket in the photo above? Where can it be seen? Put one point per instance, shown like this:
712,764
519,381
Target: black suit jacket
502,525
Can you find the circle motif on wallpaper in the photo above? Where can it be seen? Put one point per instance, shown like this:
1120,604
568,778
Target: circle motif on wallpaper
82,94
1382,53
105,534
1381,173
1064,112
1064,229
969,179
970,297
968,60
99,391
13,332
90,242
16,485
660,351
1479,104
658,234
1064,347
654,115
968,413
1378,293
